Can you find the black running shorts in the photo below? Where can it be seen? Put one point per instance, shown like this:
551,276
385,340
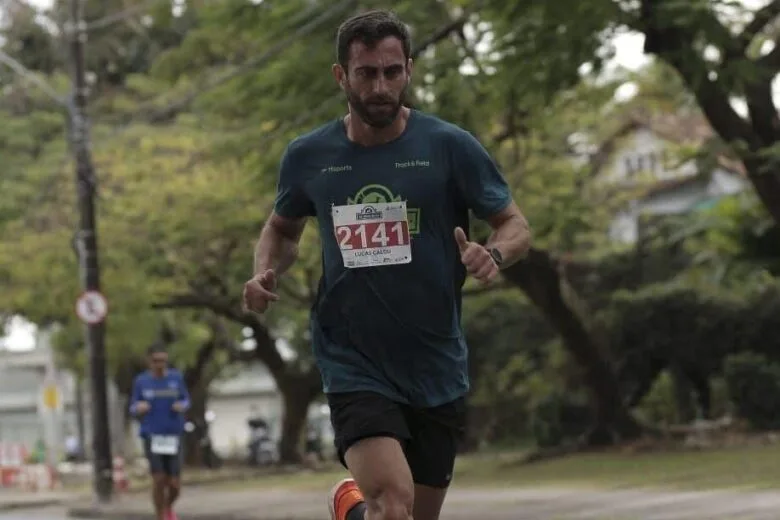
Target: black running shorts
428,436
169,465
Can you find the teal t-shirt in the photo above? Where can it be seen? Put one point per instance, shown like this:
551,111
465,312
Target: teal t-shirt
393,329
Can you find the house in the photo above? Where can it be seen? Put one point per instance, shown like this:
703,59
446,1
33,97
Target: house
246,391
25,419
643,158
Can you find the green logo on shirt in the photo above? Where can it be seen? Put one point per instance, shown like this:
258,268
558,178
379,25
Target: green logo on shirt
376,193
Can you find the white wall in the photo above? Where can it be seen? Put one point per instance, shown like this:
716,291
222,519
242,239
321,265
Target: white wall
232,400
229,432
643,150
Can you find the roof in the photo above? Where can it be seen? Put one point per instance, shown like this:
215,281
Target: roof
680,128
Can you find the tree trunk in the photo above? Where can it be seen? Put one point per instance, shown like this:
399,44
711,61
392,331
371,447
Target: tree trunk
538,275
193,455
766,180
298,392
479,423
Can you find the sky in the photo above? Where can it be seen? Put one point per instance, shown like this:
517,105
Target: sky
629,55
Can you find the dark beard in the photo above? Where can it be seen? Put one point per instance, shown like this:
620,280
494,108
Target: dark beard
376,119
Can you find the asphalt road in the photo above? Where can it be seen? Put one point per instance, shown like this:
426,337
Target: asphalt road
501,505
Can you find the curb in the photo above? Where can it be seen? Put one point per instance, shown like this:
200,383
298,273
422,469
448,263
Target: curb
31,504
98,514
95,513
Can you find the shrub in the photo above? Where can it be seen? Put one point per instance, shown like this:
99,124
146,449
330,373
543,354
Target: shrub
753,385
557,419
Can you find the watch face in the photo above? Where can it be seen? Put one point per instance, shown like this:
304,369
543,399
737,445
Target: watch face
496,254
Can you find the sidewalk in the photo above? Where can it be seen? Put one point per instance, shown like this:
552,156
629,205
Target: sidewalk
11,499
466,504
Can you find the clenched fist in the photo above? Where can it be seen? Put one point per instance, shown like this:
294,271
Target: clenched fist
476,258
260,291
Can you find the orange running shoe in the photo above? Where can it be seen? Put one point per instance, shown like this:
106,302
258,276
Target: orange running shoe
343,497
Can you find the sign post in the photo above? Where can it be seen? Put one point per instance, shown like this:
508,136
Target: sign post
91,307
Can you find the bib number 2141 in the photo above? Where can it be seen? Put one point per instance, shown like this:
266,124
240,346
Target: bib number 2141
371,235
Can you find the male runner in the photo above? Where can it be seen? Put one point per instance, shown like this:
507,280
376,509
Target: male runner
159,400
390,189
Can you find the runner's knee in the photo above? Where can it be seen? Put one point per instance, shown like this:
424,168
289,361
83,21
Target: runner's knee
391,500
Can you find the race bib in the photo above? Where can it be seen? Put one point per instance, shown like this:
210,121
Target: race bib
371,235
165,444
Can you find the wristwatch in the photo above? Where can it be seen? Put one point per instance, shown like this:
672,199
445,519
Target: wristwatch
495,254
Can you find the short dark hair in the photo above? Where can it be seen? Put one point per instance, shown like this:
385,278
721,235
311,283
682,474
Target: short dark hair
369,28
156,348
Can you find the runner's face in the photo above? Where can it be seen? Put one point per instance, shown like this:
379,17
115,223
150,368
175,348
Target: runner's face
158,362
377,80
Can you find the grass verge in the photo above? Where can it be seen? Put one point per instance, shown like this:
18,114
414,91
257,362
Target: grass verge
744,468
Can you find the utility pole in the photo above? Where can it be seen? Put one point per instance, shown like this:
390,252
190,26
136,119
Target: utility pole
87,247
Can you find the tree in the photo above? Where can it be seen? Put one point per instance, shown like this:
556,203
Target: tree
680,34
257,104
719,57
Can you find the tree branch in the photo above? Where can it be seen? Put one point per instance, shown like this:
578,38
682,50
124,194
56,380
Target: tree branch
265,349
673,44
771,61
198,301
120,16
761,19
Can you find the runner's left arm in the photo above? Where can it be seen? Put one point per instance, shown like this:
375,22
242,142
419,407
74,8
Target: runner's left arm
184,395
488,195
511,234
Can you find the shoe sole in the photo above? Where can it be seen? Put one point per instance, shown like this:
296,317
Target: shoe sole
332,497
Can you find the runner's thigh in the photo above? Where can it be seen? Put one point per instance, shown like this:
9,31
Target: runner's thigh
370,433
156,464
361,415
434,437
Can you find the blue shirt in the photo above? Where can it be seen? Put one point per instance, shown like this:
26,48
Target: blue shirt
393,329
161,393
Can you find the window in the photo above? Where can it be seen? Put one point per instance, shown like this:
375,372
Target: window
628,166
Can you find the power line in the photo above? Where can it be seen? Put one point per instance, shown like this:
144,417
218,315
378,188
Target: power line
31,77
176,106
122,15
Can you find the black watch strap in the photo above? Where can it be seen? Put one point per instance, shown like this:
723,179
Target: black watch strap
495,254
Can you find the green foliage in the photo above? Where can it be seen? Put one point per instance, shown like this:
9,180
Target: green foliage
690,330
558,418
735,243
673,320
660,405
522,378
181,201
754,386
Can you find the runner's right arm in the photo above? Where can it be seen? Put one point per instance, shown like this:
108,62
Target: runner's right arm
277,248
136,397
